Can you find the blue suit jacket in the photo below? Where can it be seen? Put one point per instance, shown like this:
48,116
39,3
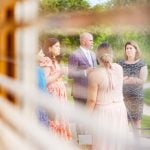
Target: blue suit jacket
76,66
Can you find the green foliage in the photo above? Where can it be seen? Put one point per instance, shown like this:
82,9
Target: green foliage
69,5
148,73
98,38
146,124
99,8
48,5
114,3
117,41
68,45
147,96
62,5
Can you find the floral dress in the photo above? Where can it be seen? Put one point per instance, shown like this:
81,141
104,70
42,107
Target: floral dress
56,88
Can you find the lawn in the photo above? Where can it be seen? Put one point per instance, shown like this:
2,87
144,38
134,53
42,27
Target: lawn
146,125
146,122
147,96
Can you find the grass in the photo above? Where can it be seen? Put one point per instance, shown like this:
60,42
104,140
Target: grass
147,96
68,83
148,79
146,124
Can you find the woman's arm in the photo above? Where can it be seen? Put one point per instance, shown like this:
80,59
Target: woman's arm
135,80
143,73
92,91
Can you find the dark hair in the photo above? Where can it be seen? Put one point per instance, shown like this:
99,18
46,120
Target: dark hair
104,54
104,45
135,45
49,43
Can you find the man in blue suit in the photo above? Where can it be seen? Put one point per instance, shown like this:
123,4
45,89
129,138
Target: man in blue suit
81,63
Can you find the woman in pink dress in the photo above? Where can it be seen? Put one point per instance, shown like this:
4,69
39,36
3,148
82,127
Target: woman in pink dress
55,85
105,100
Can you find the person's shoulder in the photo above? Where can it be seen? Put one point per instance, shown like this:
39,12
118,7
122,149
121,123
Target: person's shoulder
117,66
141,62
45,62
120,62
94,74
98,72
75,52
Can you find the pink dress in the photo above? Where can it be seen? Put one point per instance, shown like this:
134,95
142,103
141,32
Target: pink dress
58,89
110,111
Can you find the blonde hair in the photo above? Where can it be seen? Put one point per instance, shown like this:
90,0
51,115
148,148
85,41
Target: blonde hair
135,45
104,54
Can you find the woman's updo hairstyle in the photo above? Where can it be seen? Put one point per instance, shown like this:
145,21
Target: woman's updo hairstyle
104,54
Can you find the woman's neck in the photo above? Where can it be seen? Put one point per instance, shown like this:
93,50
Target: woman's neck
131,59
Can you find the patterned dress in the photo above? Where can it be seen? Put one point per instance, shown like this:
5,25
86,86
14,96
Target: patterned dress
57,88
133,93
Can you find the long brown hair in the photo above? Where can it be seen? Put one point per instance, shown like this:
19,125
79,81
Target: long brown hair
49,43
135,45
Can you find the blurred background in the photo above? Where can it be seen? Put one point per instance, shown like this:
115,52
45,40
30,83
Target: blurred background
25,24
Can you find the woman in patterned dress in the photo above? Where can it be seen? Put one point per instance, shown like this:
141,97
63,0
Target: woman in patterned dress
55,84
135,74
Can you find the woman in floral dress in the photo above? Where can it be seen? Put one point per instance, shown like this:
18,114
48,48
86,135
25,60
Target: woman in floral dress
55,84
